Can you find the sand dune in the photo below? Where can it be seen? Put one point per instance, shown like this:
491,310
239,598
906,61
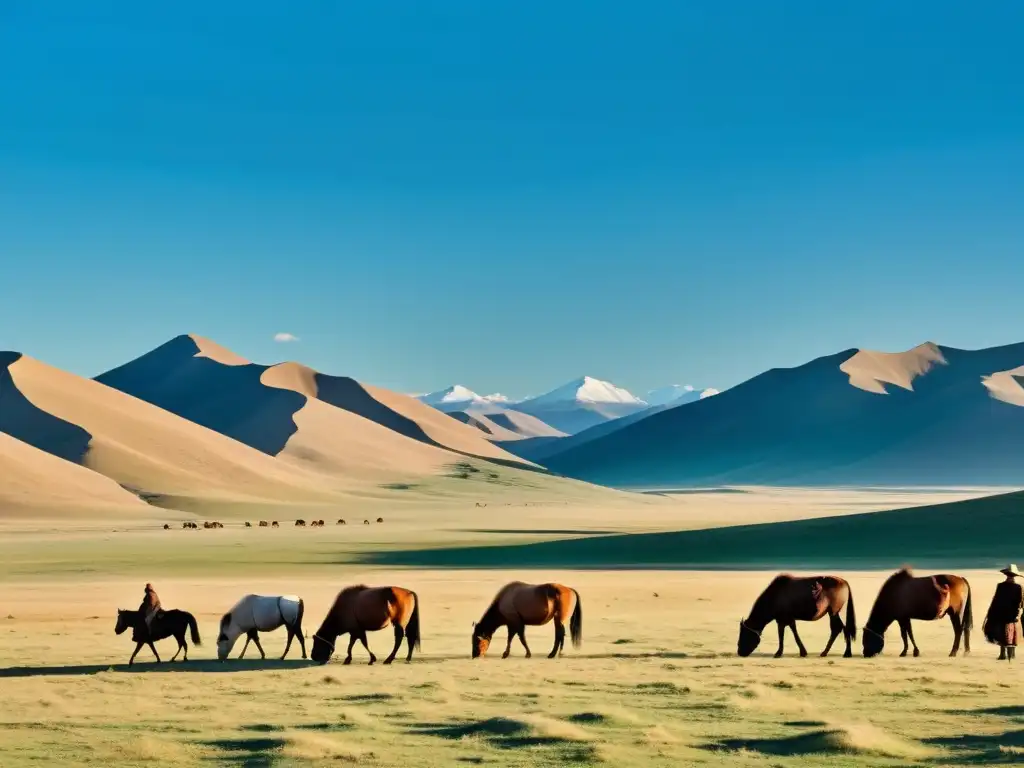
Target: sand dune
504,425
948,417
37,482
144,448
332,424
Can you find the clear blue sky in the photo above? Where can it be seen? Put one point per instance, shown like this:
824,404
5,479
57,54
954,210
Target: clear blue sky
509,195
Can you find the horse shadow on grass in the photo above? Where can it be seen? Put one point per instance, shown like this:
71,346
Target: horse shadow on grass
509,733
205,666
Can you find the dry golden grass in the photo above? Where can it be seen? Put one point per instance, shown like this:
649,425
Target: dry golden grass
656,682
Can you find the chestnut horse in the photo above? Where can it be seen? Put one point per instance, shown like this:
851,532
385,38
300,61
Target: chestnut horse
788,600
519,605
926,598
361,609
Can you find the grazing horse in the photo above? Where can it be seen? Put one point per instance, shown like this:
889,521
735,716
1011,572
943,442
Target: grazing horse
166,624
788,600
926,598
361,609
519,605
264,524
380,519
341,521
300,523
274,524
259,613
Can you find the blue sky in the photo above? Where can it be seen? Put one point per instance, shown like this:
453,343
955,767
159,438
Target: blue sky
509,195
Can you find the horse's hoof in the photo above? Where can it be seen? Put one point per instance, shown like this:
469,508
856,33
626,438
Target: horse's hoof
347,661
778,654
848,655
505,655
387,661
803,654
916,653
823,654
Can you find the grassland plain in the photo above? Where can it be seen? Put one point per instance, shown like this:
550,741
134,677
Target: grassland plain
656,682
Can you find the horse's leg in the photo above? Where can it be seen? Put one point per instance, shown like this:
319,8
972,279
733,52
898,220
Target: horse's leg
913,642
796,636
366,645
138,647
559,639
1002,653
256,639
351,644
508,646
302,641
903,634
399,637
153,649
287,645
782,636
248,639
837,628
522,639
181,644
958,631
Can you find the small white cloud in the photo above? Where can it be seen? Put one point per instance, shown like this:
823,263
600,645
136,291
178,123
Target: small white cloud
284,338
688,388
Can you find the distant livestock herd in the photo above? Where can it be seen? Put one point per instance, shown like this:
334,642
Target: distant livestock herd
300,523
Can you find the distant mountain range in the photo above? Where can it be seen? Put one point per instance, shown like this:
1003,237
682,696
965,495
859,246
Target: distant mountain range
566,410
929,416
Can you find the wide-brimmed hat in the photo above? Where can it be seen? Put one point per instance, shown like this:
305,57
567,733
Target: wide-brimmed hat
1011,570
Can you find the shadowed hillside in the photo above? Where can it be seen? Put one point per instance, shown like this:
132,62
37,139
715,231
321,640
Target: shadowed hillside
924,417
345,427
977,533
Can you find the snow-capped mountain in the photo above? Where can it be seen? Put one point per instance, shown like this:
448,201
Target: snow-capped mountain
677,394
459,398
582,403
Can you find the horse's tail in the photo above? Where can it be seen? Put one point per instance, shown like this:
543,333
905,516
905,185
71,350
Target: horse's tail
968,620
298,616
576,622
851,615
412,629
194,627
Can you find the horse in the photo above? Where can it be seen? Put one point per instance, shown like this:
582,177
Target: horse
380,519
264,524
274,524
258,613
166,624
361,609
167,527
518,605
300,523
248,524
926,598
789,599
341,521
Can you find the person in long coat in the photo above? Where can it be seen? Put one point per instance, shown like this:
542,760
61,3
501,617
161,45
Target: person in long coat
1002,623
150,607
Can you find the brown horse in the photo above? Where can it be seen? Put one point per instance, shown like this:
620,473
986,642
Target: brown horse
788,600
926,598
361,609
519,605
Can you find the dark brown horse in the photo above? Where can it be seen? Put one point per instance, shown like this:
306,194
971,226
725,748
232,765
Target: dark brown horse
361,609
926,598
519,605
166,624
788,600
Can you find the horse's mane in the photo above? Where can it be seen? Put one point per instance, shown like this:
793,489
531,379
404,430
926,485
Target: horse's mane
765,598
901,575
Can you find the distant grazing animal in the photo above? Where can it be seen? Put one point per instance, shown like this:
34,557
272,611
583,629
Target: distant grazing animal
366,522
341,521
189,525
248,524
260,613
264,524
380,519
788,600
274,524
361,609
167,527
926,598
320,523
166,624
518,605
300,523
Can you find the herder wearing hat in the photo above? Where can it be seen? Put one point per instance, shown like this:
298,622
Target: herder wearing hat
1002,623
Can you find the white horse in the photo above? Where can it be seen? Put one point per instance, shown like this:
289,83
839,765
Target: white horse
259,613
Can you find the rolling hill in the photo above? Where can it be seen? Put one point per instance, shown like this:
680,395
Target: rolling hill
929,416
149,451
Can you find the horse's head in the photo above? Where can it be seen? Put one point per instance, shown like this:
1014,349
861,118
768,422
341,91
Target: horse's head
748,640
123,621
873,642
323,647
226,638
481,642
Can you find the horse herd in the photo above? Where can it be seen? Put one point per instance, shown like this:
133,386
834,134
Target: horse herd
300,523
360,609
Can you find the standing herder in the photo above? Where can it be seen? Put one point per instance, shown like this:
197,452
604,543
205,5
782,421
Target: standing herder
1002,623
